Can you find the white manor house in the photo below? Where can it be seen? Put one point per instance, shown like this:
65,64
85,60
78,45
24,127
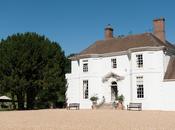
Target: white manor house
141,67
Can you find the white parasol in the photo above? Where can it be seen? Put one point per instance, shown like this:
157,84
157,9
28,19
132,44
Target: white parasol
5,98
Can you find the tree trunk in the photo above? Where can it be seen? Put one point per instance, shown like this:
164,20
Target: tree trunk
30,98
13,101
20,100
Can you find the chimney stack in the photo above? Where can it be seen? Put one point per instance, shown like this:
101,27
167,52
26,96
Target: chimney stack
159,28
108,32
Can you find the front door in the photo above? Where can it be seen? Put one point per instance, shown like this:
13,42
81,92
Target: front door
114,91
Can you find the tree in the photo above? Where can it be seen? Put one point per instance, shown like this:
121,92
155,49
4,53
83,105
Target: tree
32,70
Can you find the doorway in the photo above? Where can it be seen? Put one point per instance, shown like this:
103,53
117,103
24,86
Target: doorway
114,91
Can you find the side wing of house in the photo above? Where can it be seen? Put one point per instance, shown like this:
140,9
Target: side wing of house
168,85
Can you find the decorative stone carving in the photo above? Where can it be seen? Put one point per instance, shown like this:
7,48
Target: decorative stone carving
112,75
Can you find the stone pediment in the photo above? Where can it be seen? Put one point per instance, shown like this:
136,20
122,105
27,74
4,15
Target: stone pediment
112,75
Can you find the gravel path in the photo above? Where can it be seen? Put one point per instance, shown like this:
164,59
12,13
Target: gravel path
57,119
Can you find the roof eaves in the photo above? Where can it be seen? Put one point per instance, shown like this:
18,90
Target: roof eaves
130,50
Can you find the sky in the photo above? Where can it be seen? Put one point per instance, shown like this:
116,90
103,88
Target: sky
76,24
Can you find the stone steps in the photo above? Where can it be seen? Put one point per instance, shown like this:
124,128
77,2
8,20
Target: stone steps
106,106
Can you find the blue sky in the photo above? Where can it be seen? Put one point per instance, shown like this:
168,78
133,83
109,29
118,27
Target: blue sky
75,24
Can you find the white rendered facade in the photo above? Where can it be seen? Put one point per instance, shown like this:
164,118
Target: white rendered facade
157,93
140,67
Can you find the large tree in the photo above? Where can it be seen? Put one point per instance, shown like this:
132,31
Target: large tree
32,70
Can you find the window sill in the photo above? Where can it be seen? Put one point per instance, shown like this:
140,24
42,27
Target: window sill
140,98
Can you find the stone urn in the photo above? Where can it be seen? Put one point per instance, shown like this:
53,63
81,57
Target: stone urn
94,101
120,106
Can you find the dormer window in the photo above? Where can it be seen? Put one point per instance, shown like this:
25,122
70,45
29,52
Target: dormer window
139,60
114,63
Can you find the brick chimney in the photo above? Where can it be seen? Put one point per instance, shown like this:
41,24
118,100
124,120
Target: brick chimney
108,32
159,28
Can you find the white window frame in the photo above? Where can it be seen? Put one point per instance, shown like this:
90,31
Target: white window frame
85,67
139,60
140,87
85,89
114,63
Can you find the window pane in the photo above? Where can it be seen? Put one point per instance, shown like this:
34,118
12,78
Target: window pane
85,67
114,63
140,89
85,89
139,60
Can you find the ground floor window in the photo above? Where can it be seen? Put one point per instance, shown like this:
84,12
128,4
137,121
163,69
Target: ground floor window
140,87
140,91
85,89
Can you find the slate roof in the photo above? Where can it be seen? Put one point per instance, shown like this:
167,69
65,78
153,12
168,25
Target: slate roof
118,44
170,72
124,43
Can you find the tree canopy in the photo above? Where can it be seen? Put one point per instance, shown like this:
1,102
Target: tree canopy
32,70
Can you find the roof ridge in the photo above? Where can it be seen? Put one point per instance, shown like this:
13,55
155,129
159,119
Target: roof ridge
124,36
133,35
167,44
153,39
170,72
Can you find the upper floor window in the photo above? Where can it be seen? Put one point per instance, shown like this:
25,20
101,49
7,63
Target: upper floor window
85,89
140,88
85,67
139,60
114,63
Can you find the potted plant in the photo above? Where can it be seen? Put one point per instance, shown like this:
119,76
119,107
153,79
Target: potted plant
94,101
120,100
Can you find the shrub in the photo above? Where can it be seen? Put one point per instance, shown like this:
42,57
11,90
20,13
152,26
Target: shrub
94,98
120,98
